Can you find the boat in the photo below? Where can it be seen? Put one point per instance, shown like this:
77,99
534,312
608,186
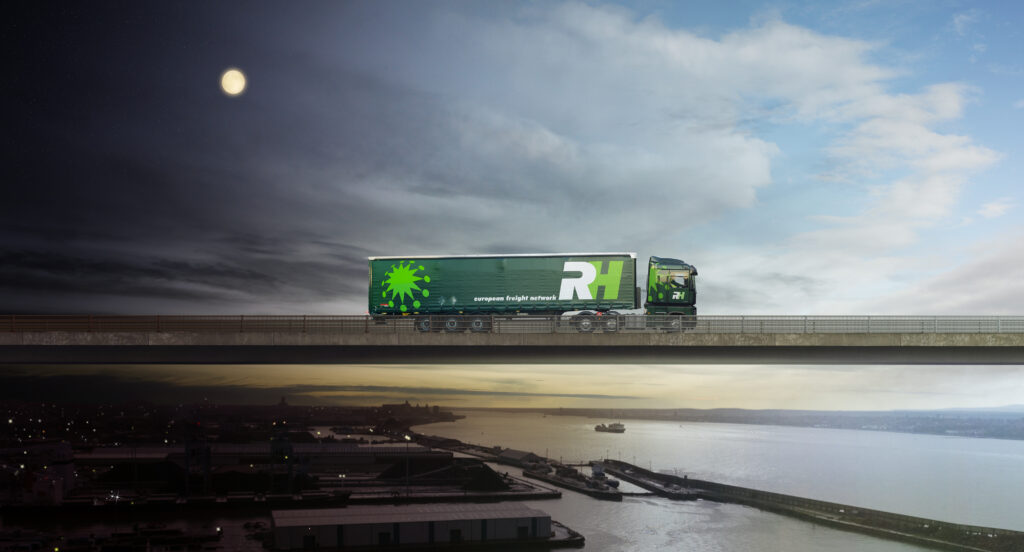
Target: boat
610,428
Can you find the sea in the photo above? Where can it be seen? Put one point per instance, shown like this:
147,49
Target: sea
956,479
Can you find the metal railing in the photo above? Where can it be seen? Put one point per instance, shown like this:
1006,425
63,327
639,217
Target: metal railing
517,324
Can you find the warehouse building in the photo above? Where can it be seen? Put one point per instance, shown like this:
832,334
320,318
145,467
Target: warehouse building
409,525
519,458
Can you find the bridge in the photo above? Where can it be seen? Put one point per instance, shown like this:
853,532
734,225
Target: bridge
510,339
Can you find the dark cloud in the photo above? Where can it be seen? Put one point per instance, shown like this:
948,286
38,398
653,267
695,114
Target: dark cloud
37,281
133,178
135,185
62,274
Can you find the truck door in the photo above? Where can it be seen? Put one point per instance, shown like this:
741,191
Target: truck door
680,285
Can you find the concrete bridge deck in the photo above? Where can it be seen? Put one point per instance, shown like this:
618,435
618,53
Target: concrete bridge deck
512,340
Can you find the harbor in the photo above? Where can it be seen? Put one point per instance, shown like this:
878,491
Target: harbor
393,467
930,533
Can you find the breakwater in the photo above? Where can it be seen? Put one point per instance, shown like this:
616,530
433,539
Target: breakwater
921,531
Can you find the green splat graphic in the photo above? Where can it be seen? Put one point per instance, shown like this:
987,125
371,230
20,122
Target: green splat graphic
401,282
652,281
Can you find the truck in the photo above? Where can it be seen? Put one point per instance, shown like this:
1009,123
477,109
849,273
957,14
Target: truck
465,292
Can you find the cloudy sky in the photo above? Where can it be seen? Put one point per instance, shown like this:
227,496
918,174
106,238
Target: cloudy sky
852,157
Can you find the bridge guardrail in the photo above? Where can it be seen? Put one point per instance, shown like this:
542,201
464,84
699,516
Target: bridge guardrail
511,324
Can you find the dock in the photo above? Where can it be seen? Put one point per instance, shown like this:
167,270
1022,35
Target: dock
657,483
561,474
915,530
578,485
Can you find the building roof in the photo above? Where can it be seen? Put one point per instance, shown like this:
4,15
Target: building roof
367,514
516,454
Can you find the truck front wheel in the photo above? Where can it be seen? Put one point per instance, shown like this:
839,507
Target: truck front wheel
423,324
679,322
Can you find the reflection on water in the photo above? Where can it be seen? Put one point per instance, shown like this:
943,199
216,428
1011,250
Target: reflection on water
643,524
957,479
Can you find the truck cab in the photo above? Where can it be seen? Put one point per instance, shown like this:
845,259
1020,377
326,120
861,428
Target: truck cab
671,287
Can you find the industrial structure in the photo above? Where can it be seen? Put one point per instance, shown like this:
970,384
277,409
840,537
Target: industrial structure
413,525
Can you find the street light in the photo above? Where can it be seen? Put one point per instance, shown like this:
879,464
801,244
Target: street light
407,439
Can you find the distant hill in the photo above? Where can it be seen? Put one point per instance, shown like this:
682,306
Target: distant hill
1004,422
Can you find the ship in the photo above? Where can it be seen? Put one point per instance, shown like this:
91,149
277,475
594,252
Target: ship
611,428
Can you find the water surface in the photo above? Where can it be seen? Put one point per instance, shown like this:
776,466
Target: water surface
957,479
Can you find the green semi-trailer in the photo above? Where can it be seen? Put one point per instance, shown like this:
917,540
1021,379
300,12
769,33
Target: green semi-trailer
478,286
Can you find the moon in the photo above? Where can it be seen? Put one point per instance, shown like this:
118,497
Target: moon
232,82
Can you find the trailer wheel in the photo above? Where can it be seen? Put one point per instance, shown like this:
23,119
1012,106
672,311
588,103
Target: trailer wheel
423,324
479,324
585,322
610,321
452,324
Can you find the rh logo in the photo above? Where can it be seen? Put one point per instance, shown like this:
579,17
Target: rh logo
590,279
